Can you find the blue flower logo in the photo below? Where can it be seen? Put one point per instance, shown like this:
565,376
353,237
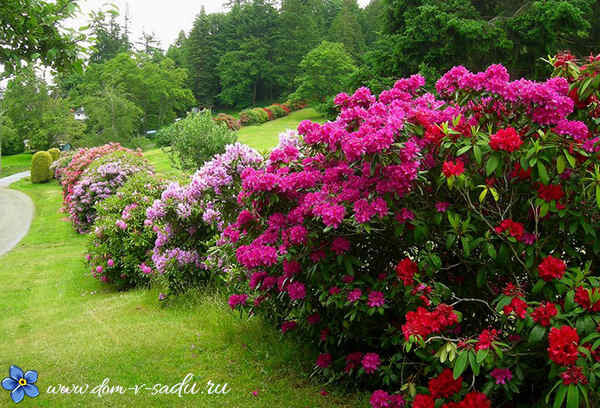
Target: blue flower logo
20,384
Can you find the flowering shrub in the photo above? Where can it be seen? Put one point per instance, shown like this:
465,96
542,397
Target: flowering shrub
443,241
277,111
100,181
80,160
186,217
231,122
58,166
120,247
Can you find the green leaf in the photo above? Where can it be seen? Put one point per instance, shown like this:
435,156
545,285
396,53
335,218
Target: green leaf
461,364
598,195
560,397
483,194
573,397
463,150
474,364
491,250
537,334
570,158
544,210
561,164
492,164
543,172
477,153
482,355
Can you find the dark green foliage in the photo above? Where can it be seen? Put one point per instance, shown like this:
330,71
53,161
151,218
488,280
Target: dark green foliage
196,139
36,115
31,30
40,167
324,71
435,35
11,141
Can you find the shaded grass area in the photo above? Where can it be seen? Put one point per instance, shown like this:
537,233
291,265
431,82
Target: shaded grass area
56,319
15,164
266,136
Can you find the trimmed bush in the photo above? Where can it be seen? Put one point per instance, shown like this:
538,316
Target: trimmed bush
120,247
440,244
231,122
197,138
40,167
101,180
55,153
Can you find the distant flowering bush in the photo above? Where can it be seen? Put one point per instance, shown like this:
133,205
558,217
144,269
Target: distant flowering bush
187,217
100,181
434,240
121,242
69,173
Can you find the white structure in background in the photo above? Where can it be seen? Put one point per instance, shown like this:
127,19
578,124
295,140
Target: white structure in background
79,114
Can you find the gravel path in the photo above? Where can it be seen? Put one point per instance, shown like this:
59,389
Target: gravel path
16,213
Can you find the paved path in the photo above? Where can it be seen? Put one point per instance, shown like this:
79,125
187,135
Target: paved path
16,213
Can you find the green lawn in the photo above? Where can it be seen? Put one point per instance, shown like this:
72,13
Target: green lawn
266,136
56,319
15,164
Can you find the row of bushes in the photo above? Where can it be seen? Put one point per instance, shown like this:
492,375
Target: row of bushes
257,116
437,249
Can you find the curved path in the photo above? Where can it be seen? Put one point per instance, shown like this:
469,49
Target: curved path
16,213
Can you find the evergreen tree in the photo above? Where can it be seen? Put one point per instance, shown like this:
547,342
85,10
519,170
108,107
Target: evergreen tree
346,28
110,36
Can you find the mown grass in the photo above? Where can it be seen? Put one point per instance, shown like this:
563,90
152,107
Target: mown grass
56,319
266,136
14,164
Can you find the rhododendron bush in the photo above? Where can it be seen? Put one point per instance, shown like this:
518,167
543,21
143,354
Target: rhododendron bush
121,242
439,249
100,180
186,217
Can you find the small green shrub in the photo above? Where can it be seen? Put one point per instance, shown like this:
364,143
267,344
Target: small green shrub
55,153
197,138
40,167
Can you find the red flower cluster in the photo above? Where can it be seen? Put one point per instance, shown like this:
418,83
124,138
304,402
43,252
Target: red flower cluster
453,168
422,322
563,345
574,375
444,385
485,339
550,192
423,401
551,268
506,139
583,299
543,313
406,270
514,229
517,305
